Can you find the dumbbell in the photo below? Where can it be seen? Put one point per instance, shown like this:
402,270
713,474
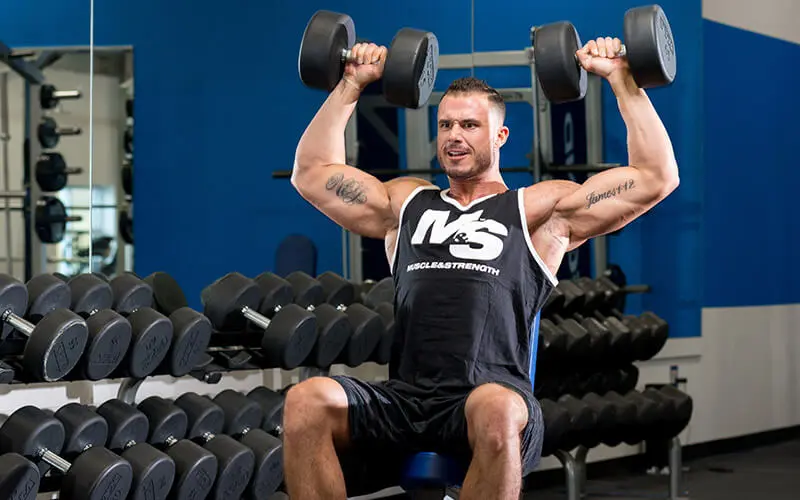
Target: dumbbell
411,62
641,336
582,421
271,404
649,48
646,417
625,411
557,423
50,97
243,419
168,295
92,295
380,298
333,328
236,462
605,418
153,470
109,334
19,477
288,337
195,467
650,332
551,349
600,339
90,473
55,343
52,172
368,327
191,331
578,342
675,409
49,133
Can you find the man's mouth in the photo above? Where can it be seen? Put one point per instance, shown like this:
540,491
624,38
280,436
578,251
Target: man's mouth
457,153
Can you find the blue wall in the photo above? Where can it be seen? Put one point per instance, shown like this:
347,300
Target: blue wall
751,109
219,106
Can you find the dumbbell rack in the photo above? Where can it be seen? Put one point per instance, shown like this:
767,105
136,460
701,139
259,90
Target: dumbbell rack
575,470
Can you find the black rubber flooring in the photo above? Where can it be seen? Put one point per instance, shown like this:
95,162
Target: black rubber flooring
767,473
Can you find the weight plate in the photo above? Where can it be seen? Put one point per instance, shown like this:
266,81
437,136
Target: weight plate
19,479
84,428
46,293
167,293
412,64
152,337
236,463
51,172
55,345
195,471
97,474
290,337
334,332
127,179
268,473
153,472
109,338
562,78
650,46
51,219
320,63
191,336
47,133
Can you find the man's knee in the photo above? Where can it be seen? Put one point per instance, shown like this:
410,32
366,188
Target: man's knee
316,405
496,416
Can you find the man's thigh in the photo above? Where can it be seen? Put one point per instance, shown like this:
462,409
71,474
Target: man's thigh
381,430
453,430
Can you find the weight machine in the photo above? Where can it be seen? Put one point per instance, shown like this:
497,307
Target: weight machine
44,170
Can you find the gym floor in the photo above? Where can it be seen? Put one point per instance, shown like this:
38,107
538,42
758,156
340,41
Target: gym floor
771,472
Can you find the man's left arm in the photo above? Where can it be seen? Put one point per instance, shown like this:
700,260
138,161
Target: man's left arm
611,199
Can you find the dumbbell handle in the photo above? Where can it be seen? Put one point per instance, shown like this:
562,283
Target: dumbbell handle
18,323
170,441
255,317
68,131
67,94
623,51
55,461
73,170
347,56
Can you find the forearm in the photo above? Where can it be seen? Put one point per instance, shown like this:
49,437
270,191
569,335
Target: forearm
323,142
649,146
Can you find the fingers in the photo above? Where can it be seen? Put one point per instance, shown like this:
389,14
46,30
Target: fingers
602,47
368,53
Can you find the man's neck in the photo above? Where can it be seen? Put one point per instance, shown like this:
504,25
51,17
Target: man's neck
467,191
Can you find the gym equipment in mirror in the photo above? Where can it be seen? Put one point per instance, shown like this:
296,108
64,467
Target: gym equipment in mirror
66,168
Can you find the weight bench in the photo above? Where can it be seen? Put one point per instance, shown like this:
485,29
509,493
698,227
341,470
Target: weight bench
428,475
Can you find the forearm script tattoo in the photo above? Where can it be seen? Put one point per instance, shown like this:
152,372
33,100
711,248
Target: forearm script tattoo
595,197
351,191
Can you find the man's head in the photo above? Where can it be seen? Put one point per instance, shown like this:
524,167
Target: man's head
470,129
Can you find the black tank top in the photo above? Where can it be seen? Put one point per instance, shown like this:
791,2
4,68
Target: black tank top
468,286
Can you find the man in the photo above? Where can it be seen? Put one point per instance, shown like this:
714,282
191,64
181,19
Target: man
472,266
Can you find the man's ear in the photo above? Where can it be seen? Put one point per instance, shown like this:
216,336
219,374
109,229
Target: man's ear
502,136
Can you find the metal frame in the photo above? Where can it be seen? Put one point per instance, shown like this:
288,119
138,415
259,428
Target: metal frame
36,251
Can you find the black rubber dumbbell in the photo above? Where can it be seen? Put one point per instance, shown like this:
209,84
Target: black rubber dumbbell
19,477
236,462
243,419
109,333
333,327
368,327
605,417
195,467
557,423
271,404
625,411
288,338
153,470
191,331
380,298
646,418
578,349
55,344
90,473
582,422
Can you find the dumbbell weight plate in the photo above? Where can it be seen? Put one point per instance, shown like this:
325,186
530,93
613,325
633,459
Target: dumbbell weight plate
109,339
97,474
13,298
19,478
368,329
382,291
605,416
51,219
191,336
152,337
646,417
650,46
271,404
334,331
56,345
556,423
268,473
412,64
153,472
562,78
130,292
46,293
290,337
625,418
168,296
195,470
326,35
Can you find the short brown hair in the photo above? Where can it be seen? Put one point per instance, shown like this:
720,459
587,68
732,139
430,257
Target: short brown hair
470,84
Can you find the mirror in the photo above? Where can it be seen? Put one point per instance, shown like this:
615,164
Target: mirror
56,213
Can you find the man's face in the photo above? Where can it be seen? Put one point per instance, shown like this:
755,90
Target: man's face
470,134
